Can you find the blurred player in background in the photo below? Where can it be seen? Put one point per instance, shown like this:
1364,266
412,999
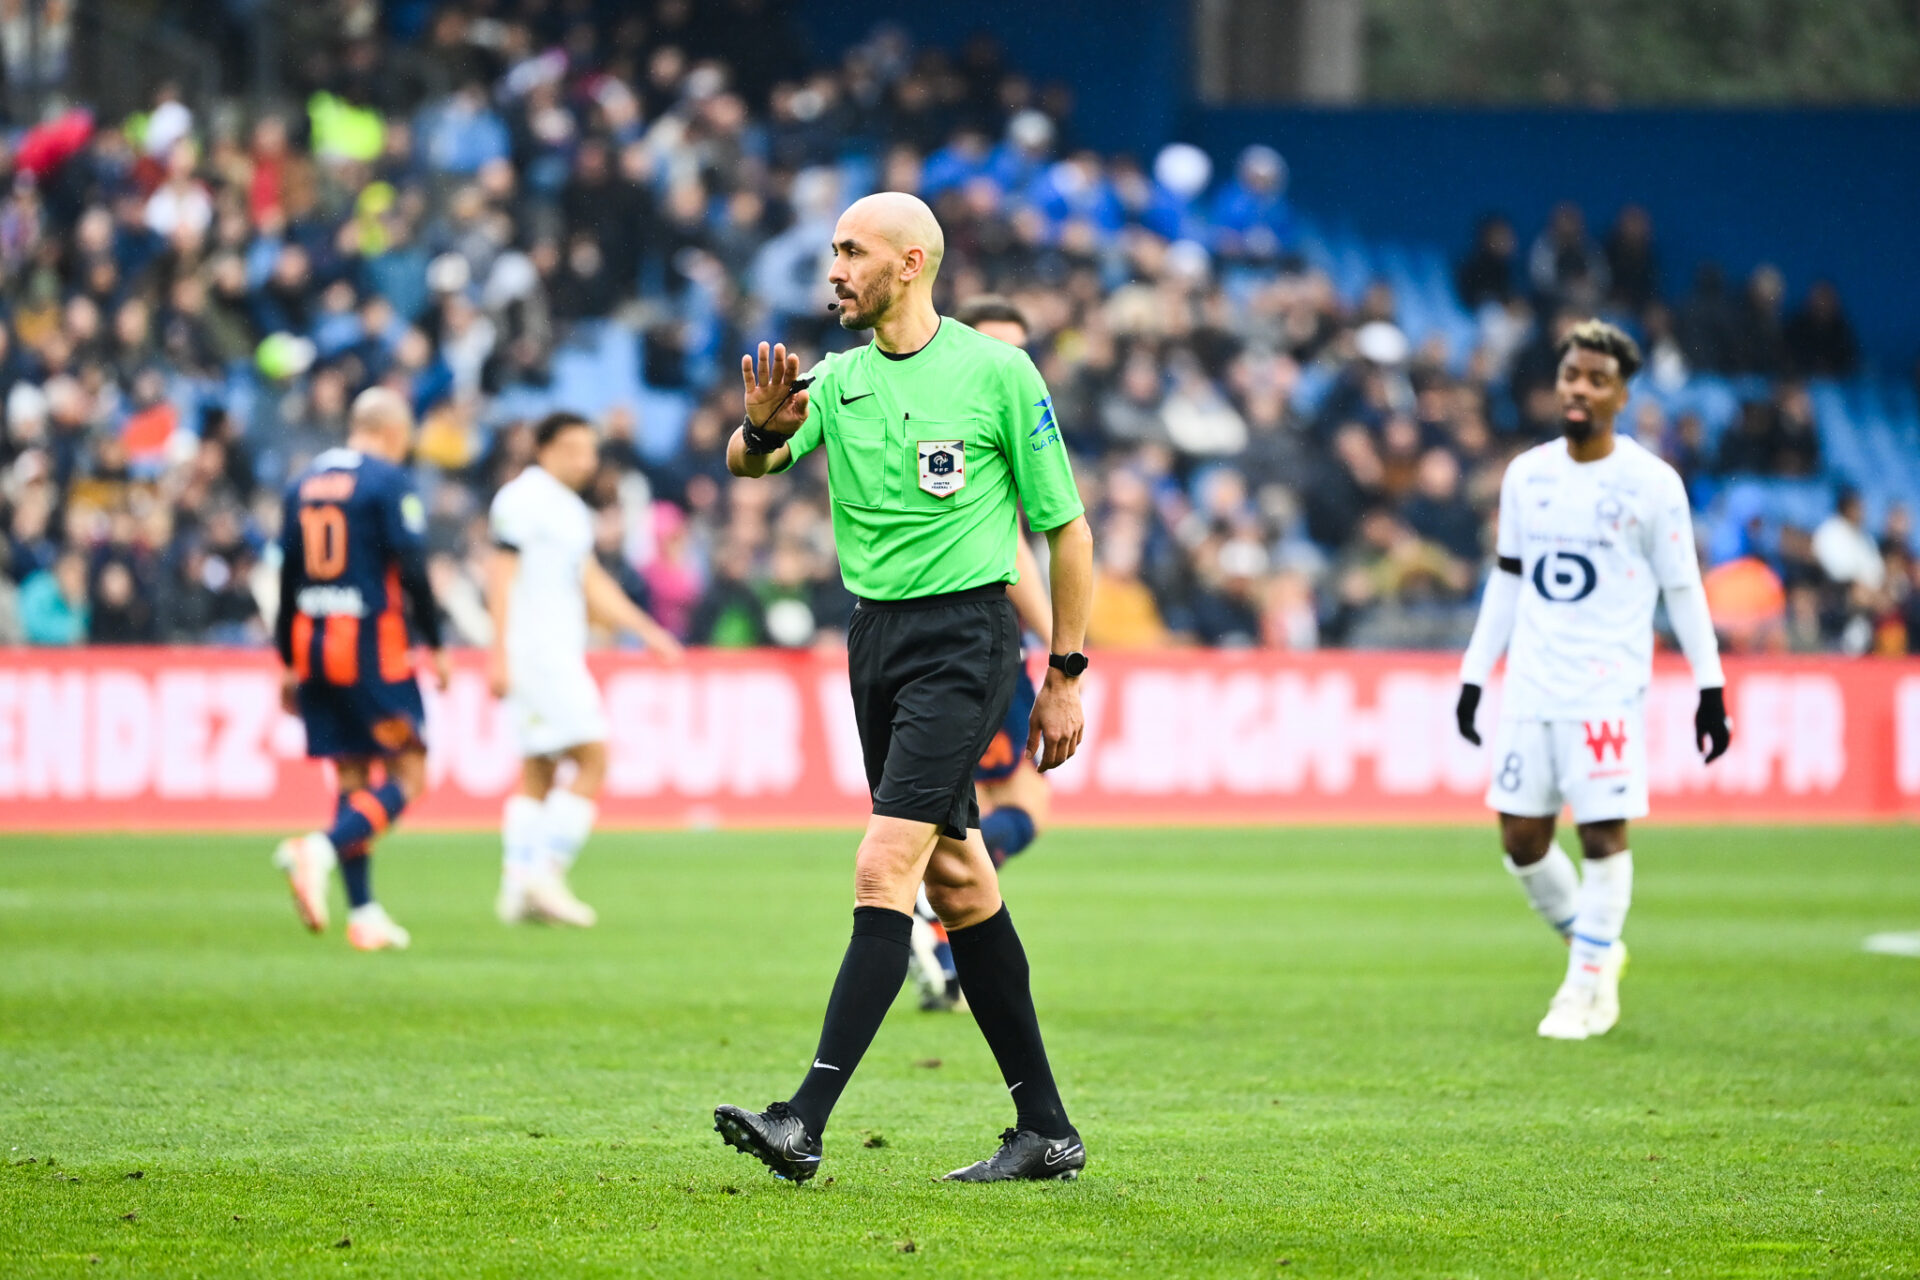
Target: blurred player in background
543,588
1014,795
1593,530
354,556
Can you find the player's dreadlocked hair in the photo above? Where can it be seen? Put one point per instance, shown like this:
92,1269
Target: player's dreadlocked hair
1608,340
987,308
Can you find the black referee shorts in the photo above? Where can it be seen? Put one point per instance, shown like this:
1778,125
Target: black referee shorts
932,680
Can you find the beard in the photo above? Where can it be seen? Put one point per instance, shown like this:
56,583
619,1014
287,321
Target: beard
1580,430
867,306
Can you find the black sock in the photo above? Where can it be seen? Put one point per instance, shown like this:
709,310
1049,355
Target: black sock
993,973
356,872
870,976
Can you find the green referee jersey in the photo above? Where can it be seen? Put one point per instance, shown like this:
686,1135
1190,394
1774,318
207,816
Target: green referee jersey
926,457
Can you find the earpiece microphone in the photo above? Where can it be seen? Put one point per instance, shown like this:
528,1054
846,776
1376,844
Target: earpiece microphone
833,306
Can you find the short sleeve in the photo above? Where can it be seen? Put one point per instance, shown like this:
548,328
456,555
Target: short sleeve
1035,453
1676,562
405,517
504,523
813,430
1507,540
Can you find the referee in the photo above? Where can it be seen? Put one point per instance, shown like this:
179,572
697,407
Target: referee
932,432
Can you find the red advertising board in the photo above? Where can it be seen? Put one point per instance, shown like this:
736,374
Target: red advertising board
194,738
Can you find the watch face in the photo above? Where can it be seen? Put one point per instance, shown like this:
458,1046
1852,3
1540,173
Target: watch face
1072,663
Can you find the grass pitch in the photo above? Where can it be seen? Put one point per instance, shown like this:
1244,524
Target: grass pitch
1291,1053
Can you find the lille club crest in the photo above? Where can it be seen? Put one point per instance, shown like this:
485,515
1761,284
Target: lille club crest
943,467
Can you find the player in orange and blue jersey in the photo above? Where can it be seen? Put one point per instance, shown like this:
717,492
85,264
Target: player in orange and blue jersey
354,558
1014,796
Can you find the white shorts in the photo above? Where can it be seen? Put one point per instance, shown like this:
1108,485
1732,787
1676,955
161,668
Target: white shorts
1597,766
554,709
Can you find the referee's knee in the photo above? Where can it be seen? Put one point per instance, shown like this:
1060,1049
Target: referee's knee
892,857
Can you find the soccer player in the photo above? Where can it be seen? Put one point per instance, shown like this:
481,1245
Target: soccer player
543,588
933,432
1593,528
354,558
1014,795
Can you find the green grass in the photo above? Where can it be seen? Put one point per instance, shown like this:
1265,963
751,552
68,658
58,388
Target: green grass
1295,1052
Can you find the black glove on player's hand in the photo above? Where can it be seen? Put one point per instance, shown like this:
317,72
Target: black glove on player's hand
1711,732
1463,712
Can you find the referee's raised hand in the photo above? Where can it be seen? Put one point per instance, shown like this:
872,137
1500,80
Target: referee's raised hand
772,402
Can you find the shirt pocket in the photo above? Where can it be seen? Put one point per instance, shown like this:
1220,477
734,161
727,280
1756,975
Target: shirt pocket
940,463
857,447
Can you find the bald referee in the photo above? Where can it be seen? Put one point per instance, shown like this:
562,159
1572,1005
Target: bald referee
932,433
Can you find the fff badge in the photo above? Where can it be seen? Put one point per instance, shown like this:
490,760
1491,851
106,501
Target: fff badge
943,467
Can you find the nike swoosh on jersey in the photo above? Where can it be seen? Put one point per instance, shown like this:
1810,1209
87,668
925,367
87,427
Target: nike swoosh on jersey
844,399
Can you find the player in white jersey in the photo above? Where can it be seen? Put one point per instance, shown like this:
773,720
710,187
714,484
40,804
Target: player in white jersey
1593,529
543,588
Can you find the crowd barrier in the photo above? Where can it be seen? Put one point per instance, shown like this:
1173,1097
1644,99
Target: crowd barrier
195,739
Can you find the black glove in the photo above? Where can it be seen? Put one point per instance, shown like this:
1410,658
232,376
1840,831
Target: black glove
1710,724
1463,712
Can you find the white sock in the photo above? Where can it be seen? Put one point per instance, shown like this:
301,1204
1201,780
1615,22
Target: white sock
1605,894
567,822
522,848
1552,887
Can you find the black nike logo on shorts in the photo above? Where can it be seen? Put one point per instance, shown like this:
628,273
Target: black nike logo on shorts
845,400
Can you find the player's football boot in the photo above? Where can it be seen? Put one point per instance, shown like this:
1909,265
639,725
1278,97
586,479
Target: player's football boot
1568,1013
308,862
775,1137
1606,995
1025,1156
550,901
926,971
510,905
370,928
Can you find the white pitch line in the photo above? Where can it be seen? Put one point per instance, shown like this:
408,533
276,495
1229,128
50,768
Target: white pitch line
1893,944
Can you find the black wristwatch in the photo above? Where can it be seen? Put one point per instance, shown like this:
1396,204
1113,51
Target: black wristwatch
759,440
1071,663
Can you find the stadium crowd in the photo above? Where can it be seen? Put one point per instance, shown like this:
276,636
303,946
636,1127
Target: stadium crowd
189,299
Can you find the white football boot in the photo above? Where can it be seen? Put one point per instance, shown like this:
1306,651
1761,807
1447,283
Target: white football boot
549,900
923,967
308,862
510,905
1606,994
1568,1013
370,928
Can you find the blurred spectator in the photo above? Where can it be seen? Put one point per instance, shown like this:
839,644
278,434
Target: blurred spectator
1632,262
1747,449
1485,275
1125,615
1847,553
1565,266
1760,335
1748,604
1819,338
1250,215
1438,512
116,613
53,602
1707,326
730,615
